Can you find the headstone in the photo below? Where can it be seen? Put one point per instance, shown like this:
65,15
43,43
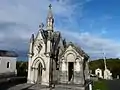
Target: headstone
117,76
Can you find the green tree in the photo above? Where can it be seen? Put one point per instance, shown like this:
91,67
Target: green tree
22,68
113,64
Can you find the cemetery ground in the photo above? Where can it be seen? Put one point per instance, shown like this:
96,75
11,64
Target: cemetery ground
22,85
106,85
100,85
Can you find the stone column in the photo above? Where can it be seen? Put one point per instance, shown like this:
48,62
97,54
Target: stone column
87,73
29,69
63,72
29,74
78,73
35,75
32,75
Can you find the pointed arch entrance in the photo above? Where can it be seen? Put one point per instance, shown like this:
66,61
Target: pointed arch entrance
38,67
39,76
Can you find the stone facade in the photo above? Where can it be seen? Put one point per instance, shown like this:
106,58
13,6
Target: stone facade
40,53
73,66
98,73
107,74
51,59
104,74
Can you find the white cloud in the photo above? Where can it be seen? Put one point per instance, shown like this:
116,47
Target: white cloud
25,16
94,45
20,18
30,12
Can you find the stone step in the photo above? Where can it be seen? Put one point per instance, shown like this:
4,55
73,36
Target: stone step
70,87
21,87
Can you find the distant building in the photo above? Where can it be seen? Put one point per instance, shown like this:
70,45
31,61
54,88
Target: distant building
107,74
118,77
104,74
98,73
7,63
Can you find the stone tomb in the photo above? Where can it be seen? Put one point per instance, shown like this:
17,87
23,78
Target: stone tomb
73,67
50,60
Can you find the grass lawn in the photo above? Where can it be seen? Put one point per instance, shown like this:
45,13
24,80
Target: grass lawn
100,85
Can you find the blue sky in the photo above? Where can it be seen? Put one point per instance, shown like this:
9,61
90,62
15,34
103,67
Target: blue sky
91,24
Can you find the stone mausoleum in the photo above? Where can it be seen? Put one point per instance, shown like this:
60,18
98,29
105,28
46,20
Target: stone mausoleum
53,60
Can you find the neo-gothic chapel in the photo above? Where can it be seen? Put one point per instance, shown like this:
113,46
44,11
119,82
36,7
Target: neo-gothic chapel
52,59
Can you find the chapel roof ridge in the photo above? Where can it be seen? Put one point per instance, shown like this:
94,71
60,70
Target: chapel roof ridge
77,48
7,53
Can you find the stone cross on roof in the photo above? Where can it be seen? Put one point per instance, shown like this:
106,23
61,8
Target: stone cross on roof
50,15
50,6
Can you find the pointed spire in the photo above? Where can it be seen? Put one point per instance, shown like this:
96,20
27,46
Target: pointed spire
50,19
50,15
32,38
41,26
31,45
105,61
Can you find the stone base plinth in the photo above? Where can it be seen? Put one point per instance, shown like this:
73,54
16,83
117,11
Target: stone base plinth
63,77
78,78
70,87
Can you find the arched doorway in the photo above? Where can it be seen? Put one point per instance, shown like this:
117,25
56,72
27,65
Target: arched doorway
70,61
98,74
39,76
70,71
38,67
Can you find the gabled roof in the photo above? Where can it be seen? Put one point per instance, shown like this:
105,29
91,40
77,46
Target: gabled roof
78,49
5,53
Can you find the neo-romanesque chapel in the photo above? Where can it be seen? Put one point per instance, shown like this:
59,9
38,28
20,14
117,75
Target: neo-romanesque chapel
53,60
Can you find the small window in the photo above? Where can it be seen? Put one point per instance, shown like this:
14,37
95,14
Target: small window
8,64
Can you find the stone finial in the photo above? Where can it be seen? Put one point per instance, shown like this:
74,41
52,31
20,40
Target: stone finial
41,26
32,38
50,15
